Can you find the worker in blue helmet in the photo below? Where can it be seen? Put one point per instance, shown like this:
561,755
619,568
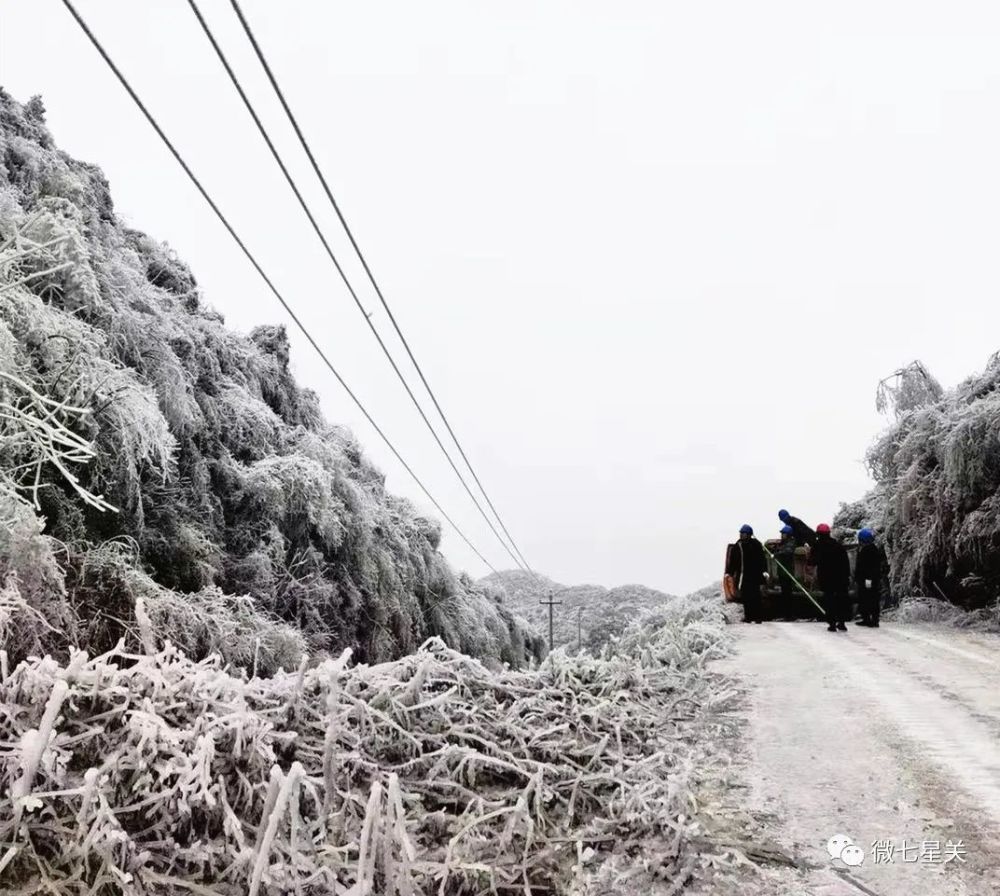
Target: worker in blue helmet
868,572
784,553
748,567
803,534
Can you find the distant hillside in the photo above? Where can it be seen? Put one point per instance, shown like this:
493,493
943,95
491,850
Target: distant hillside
709,592
149,451
601,612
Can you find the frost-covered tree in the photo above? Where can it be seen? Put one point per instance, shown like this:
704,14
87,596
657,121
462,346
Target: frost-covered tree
158,454
937,496
905,390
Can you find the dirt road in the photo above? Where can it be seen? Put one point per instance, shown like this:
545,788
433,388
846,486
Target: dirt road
890,736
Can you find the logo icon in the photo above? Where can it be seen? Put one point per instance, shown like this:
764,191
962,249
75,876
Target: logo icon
842,847
853,856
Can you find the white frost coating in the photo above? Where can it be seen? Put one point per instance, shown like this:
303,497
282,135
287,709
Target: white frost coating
145,627
583,747
250,526
369,839
332,725
33,744
288,785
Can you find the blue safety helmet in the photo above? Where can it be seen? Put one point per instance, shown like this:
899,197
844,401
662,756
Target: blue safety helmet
866,536
787,530
746,530
783,515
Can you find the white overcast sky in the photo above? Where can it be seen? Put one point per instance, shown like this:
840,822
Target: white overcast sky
653,256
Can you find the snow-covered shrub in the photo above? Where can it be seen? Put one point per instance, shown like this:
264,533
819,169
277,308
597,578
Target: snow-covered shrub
936,502
939,612
143,771
35,615
225,480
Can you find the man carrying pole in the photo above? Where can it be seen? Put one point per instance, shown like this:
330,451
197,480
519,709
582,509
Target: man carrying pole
789,572
784,556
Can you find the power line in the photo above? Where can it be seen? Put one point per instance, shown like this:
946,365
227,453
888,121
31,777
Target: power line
239,242
364,262
343,276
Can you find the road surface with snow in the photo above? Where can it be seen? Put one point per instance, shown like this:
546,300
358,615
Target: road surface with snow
888,736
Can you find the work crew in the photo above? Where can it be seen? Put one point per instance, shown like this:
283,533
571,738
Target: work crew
748,567
833,572
802,534
785,555
868,570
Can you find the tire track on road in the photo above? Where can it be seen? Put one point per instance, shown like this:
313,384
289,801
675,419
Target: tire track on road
878,736
939,644
948,732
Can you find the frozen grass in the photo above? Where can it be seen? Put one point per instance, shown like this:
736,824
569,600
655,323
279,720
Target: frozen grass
935,610
148,772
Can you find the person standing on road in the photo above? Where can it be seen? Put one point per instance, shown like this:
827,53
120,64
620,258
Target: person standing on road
868,577
833,571
802,534
748,567
784,554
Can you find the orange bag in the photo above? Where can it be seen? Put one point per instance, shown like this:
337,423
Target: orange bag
729,589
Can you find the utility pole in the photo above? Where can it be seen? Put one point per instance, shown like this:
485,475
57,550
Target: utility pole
550,603
579,630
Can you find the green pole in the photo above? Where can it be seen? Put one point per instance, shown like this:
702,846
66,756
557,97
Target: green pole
798,584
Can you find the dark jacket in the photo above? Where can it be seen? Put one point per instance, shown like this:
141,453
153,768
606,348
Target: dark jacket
802,534
786,548
870,564
833,566
784,553
747,563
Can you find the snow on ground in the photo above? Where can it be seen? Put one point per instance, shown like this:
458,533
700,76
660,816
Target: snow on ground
881,735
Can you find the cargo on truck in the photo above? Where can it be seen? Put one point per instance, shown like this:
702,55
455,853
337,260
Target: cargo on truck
783,595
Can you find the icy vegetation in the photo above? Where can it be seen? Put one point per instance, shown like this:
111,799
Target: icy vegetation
147,451
232,663
147,772
936,501
589,614
939,612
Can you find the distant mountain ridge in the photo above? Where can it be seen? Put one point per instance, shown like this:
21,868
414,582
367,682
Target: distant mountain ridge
588,616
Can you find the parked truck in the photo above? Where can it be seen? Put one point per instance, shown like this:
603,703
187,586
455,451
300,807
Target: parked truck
786,600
